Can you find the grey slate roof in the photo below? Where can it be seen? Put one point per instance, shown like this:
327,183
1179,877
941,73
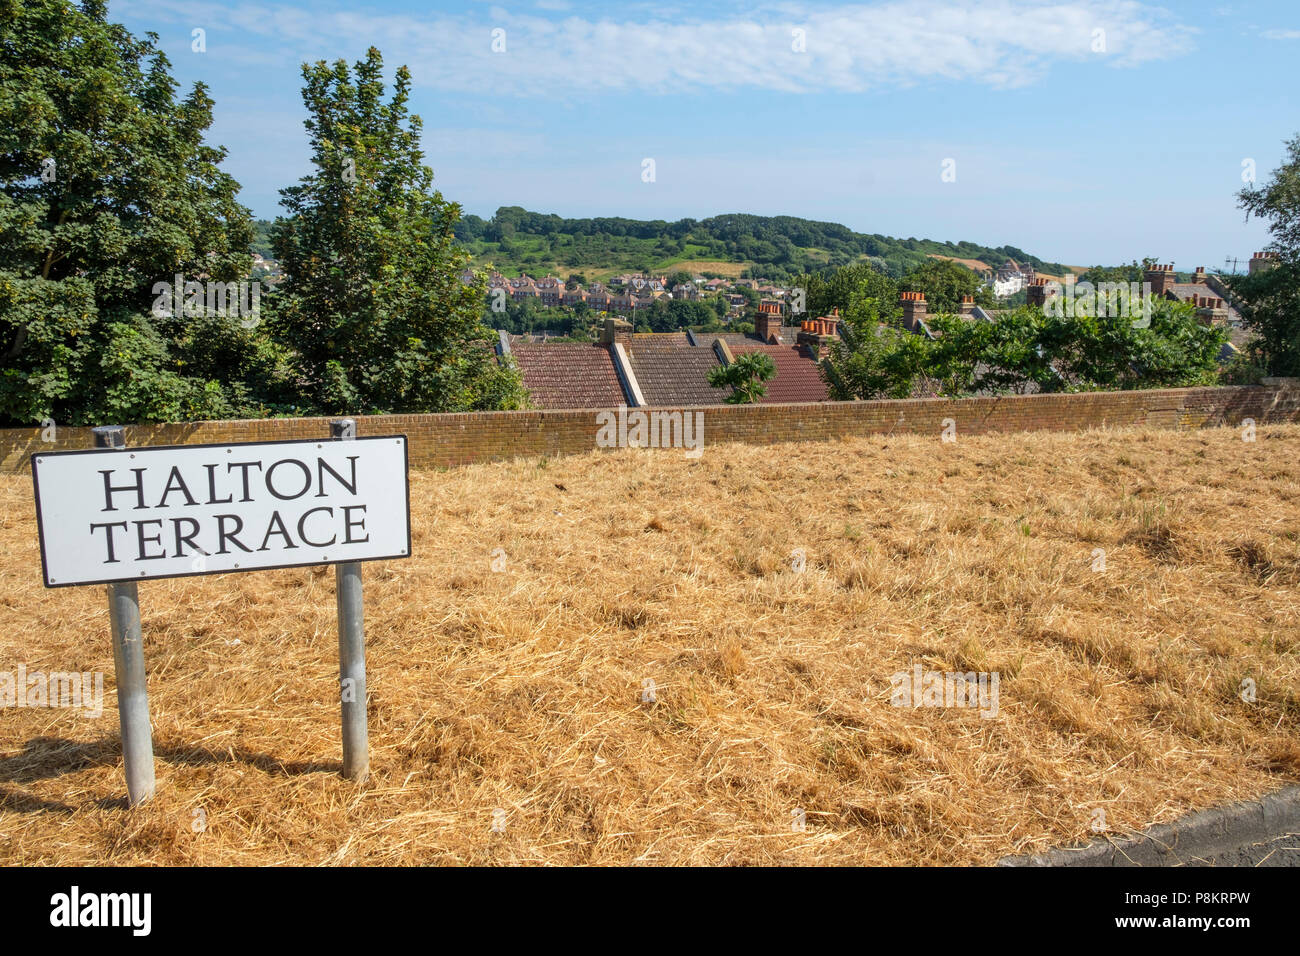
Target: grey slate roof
673,373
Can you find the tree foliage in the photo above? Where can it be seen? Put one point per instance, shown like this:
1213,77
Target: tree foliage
1269,300
745,377
107,187
781,248
944,283
372,307
1023,350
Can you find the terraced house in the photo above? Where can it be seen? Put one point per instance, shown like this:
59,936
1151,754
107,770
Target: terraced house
669,369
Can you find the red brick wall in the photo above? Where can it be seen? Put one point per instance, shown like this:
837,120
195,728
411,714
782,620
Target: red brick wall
458,439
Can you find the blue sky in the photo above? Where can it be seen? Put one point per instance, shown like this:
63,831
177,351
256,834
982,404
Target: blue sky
1082,131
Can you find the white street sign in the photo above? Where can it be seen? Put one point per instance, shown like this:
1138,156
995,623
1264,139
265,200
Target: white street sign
140,513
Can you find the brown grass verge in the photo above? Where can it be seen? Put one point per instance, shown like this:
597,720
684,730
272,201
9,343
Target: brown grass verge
521,689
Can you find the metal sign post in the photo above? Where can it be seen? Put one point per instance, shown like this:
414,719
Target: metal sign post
115,516
352,648
128,664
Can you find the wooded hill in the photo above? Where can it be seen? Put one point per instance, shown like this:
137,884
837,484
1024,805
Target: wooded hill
736,245
771,247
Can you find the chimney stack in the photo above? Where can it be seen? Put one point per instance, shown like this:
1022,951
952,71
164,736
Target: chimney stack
1036,293
967,306
767,324
1200,274
1260,261
1161,277
816,333
616,330
913,304
1210,310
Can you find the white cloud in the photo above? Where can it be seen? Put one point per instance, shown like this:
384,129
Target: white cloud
849,47
1281,34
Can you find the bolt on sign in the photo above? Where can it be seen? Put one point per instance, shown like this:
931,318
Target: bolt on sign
117,516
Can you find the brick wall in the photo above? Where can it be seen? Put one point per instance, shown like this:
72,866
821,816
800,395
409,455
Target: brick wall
458,439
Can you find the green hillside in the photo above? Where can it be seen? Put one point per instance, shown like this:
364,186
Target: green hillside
515,240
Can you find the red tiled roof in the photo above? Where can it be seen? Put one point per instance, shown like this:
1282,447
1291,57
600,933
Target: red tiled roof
569,375
797,378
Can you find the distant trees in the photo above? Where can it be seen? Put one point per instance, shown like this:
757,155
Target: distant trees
837,289
944,282
1269,300
669,315
1133,272
780,247
529,315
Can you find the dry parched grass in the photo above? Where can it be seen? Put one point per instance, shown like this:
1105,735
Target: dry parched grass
522,688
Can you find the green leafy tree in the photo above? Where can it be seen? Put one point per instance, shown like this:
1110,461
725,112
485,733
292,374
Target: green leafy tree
745,377
372,306
1133,272
1024,350
944,283
1269,300
1114,351
823,293
1011,354
107,188
874,357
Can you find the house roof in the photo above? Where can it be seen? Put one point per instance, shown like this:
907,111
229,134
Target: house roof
661,338
1187,290
674,373
732,339
1241,338
797,378
569,375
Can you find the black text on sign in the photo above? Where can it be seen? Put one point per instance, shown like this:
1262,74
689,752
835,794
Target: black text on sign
127,514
